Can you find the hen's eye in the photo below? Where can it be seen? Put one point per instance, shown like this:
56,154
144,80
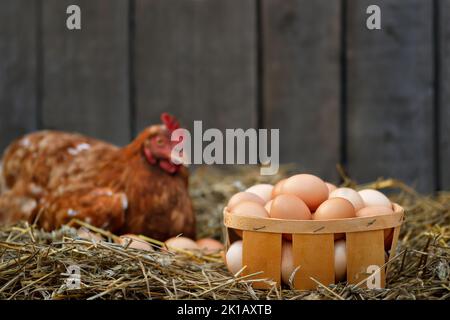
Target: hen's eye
159,141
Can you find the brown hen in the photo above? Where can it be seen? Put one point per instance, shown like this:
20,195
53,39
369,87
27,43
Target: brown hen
52,177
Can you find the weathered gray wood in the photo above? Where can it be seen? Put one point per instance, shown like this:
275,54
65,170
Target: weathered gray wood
390,92
18,43
445,94
301,69
86,71
197,60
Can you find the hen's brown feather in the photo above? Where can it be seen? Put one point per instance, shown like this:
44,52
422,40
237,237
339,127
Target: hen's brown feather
70,176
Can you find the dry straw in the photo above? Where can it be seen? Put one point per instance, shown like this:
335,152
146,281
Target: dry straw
34,264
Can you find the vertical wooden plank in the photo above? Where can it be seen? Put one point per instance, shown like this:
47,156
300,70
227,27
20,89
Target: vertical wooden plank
18,69
86,71
301,68
314,253
444,104
267,260
364,249
390,92
197,60
393,248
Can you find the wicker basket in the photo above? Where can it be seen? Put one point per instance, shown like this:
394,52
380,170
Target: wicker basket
313,246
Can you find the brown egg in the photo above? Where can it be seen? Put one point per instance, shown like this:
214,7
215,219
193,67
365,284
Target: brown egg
209,245
331,187
238,232
135,242
277,188
311,189
181,243
287,237
243,196
339,236
374,198
374,211
287,261
388,238
378,211
335,208
248,208
84,233
252,209
233,258
340,261
288,206
268,206
349,194
264,191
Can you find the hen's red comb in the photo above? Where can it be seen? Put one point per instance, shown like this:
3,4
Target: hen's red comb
169,121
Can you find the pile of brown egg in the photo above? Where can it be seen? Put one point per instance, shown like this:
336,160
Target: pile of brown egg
305,197
204,245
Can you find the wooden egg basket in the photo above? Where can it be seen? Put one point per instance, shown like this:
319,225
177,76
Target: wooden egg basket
313,246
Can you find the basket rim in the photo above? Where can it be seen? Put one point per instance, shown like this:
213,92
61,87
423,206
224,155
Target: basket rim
273,225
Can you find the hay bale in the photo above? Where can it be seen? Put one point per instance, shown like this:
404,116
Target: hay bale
36,265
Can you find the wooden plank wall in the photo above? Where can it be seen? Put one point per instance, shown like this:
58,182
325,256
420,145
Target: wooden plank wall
196,59
390,92
444,96
377,101
85,73
18,69
301,81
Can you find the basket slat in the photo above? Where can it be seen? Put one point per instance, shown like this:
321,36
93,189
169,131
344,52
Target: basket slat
363,250
392,249
252,223
262,251
315,256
